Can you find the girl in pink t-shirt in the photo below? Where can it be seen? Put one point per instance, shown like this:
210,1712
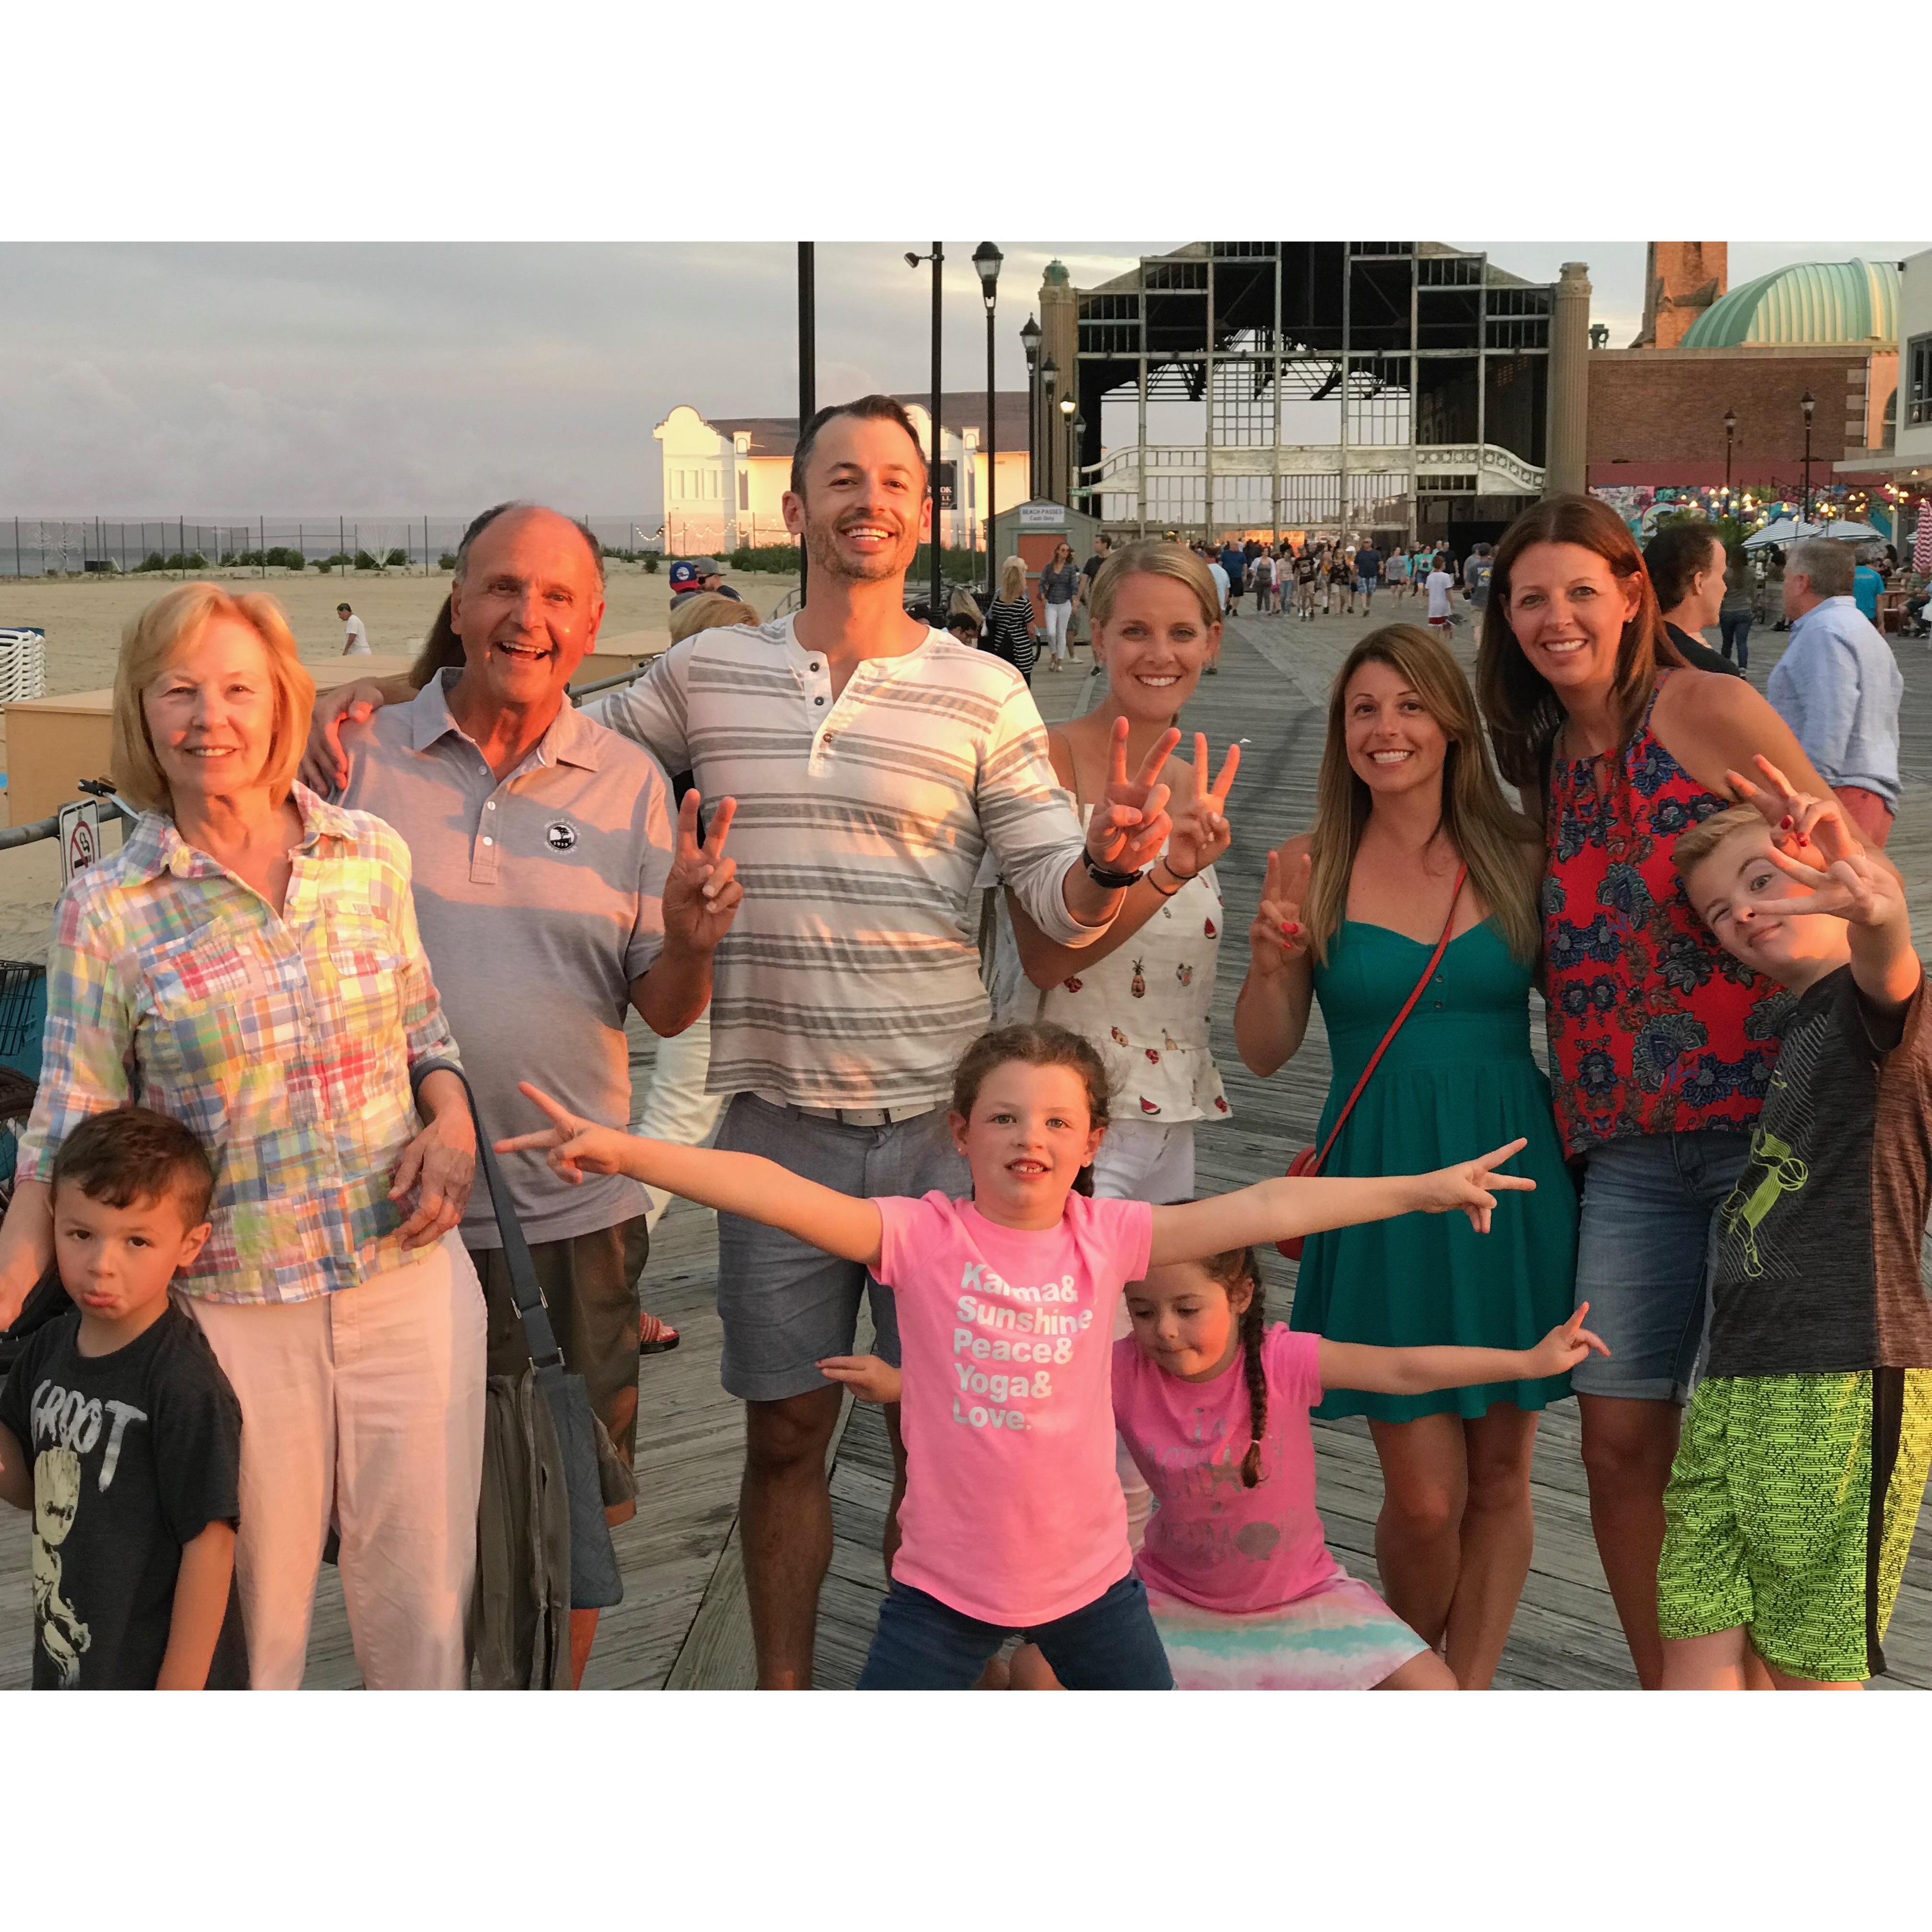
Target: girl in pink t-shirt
1212,1405
1012,1521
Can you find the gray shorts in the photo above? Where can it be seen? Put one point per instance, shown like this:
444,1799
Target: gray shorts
784,1304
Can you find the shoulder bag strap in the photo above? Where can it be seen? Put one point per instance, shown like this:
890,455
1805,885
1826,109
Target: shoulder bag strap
1395,1025
525,1293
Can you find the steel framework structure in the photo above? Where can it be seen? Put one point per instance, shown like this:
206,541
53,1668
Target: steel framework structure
1437,359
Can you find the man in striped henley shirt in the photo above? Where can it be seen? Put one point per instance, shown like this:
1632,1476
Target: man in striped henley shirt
874,761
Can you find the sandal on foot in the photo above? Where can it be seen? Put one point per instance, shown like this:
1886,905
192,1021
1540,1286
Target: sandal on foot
655,1337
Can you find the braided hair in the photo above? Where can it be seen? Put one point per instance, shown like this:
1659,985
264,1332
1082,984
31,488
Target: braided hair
1237,1268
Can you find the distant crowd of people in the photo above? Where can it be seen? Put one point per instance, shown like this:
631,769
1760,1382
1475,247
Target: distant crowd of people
336,927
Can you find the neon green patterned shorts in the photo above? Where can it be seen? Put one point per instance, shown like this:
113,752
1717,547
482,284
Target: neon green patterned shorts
1790,1511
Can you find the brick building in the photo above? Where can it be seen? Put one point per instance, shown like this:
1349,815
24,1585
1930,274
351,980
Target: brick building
1656,414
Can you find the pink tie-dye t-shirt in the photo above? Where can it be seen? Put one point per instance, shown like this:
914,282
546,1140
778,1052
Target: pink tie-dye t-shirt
1012,1511
1210,1540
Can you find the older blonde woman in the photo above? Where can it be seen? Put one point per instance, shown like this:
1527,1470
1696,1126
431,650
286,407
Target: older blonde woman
248,963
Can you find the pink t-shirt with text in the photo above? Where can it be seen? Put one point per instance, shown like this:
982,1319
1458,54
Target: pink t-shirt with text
1012,1512
1210,1540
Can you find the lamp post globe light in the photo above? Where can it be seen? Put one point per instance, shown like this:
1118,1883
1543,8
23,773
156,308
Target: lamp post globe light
1807,403
986,259
1067,408
1030,342
1730,434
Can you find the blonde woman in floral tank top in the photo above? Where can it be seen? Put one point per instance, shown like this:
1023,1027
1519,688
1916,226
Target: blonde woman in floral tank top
1142,995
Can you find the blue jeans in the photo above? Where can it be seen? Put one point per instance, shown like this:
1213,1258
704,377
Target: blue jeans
1644,1243
1110,1644
1734,628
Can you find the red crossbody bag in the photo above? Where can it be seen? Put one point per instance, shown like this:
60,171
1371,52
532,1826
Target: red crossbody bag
1308,1162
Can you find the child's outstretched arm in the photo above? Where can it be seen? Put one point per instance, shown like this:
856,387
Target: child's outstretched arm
1356,1365
740,1183
1278,1210
16,1473
201,1601
870,1378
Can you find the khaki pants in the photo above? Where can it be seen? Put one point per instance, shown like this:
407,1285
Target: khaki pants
364,1408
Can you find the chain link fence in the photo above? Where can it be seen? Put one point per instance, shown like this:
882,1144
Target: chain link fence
110,546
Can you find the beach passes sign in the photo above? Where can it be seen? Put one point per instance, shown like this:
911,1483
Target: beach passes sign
79,836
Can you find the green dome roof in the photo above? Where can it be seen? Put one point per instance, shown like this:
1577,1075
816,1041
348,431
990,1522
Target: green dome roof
1809,302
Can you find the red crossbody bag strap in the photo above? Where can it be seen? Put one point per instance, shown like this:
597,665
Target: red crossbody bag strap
1395,1025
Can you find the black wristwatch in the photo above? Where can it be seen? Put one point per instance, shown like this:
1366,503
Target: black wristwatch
1104,876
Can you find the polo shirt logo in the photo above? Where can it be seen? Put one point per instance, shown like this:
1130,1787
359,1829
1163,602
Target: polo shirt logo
560,835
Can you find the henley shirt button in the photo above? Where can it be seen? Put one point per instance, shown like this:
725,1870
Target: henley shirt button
491,806
489,841
818,700
812,666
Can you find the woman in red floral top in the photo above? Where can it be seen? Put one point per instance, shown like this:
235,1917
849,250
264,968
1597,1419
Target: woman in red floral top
1660,1046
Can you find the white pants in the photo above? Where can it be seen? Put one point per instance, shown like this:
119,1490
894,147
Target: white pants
364,1408
1140,1161
1059,617
676,1107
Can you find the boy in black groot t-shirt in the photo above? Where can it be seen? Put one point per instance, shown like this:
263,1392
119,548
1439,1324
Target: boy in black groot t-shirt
119,1432
1792,1499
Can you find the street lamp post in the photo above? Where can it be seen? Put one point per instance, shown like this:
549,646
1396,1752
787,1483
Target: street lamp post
1066,409
1730,434
987,259
1030,342
938,259
1073,460
1807,403
1049,381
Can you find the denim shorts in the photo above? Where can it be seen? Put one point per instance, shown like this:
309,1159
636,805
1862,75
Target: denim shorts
1644,1247
1110,1644
784,1304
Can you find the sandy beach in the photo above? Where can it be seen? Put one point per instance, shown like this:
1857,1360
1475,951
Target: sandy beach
84,618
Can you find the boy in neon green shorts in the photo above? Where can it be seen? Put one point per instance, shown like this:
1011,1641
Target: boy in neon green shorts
1796,1486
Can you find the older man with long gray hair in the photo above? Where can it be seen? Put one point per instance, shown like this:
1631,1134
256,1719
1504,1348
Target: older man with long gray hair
1838,686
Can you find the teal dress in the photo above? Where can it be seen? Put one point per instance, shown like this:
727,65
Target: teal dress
1457,1081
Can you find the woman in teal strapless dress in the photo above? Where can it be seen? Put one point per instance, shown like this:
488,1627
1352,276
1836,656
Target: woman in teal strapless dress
1349,917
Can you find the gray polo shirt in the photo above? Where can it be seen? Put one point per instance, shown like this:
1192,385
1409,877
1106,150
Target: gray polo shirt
540,900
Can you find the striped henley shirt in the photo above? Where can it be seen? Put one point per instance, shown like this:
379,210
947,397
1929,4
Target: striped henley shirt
851,977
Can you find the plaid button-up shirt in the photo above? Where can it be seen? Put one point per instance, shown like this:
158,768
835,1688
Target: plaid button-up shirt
285,1042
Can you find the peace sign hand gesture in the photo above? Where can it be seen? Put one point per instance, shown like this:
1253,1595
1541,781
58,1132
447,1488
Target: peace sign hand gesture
1127,831
1278,934
1858,888
701,894
1801,826
1201,833
1472,1186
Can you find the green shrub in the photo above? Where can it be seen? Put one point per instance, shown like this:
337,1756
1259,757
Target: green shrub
364,561
396,556
447,561
284,557
650,563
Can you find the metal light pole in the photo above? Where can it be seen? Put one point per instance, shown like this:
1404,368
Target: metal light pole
807,366
987,259
938,259
1807,403
1074,484
1030,342
1730,434
1067,406
1049,381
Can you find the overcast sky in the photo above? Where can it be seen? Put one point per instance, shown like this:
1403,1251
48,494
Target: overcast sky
239,378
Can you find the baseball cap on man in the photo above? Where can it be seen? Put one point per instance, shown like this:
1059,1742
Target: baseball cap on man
684,576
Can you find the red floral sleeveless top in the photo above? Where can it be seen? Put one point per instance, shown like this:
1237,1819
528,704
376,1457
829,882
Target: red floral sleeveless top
1654,1028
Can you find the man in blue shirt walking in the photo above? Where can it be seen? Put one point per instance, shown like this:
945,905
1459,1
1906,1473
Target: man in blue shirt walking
1838,686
